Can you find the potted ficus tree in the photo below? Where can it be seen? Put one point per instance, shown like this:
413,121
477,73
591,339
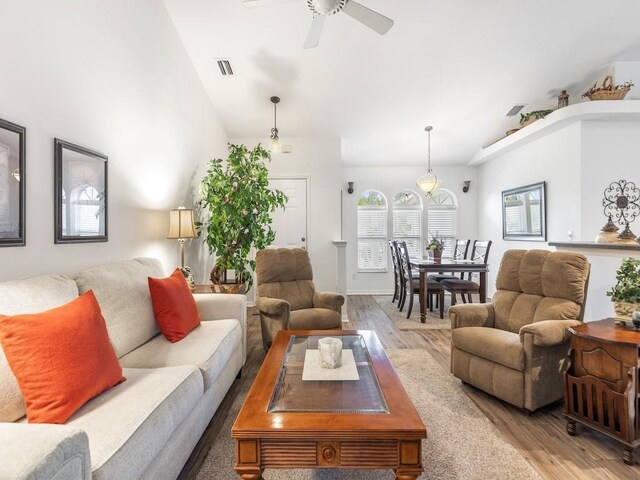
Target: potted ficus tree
626,292
237,196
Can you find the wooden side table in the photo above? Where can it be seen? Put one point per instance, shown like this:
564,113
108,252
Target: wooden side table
602,388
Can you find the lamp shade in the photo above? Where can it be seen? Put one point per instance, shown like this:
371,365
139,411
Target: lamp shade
181,224
428,182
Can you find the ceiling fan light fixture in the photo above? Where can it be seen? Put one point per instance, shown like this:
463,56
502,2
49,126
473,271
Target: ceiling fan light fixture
428,182
326,7
275,138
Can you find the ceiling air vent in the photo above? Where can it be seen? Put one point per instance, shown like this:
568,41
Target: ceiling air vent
515,110
224,64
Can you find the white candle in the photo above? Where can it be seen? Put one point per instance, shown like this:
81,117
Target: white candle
330,350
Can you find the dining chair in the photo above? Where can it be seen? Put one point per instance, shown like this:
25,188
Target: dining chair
459,253
412,283
461,286
396,272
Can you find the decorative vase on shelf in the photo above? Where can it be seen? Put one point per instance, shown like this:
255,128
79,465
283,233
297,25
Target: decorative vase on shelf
609,233
627,236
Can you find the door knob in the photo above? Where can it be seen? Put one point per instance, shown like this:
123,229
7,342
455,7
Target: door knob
303,239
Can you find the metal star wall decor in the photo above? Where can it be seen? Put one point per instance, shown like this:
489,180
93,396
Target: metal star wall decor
622,202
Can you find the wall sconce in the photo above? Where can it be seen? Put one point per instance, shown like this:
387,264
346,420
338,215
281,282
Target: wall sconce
467,184
16,174
350,187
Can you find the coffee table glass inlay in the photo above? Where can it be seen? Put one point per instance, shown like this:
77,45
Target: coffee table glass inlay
292,394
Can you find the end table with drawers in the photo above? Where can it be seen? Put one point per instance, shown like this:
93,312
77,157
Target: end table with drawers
602,388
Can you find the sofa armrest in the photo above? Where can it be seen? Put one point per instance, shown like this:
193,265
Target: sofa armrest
471,315
547,333
330,300
273,307
220,306
42,451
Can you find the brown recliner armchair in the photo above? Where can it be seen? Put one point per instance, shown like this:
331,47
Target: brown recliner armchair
514,347
287,299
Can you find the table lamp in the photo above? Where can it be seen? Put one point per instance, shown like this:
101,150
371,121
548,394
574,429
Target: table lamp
181,227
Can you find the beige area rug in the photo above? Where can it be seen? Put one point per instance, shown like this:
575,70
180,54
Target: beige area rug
462,445
433,320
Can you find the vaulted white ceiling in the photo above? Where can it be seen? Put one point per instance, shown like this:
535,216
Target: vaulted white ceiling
458,65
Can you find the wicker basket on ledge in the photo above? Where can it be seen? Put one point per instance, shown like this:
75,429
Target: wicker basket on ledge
608,91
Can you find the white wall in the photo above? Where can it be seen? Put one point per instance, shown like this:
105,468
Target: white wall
389,181
114,77
577,163
319,160
554,159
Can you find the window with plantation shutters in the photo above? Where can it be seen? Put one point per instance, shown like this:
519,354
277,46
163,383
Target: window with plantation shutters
407,221
442,219
372,232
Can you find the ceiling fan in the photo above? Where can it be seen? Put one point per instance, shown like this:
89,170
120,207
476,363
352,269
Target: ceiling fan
324,8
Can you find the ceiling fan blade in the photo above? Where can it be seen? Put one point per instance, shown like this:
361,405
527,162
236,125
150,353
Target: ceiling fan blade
315,31
374,20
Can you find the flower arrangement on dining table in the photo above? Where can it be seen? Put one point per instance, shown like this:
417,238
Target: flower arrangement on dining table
435,243
436,246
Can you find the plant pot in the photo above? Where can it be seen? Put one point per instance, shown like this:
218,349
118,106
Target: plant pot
239,288
437,256
624,311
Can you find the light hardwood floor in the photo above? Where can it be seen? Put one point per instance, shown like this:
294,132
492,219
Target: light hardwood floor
540,438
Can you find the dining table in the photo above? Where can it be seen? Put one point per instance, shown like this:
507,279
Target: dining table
450,266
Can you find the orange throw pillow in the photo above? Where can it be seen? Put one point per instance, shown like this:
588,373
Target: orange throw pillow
62,358
173,305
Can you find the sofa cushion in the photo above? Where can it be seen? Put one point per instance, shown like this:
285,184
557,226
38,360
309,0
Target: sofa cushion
129,424
62,357
122,291
31,295
173,306
493,344
209,347
315,319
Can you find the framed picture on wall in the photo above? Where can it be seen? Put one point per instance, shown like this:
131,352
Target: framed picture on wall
80,194
12,184
524,213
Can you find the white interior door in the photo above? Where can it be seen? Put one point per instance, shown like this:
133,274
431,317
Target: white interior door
290,224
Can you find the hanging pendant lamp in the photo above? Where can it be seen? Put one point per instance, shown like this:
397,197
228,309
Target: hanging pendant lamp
428,182
275,140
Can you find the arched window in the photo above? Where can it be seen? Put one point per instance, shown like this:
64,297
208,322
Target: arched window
85,207
407,221
372,232
442,218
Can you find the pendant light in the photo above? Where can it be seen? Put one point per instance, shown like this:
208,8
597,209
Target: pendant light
275,140
428,182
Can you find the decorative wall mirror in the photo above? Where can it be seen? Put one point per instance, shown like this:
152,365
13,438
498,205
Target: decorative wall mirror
80,194
12,184
523,213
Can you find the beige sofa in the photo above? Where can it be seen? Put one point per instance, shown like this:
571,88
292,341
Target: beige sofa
515,346
147,426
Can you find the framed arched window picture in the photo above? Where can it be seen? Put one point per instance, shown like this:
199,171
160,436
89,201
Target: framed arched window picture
80,194
13,177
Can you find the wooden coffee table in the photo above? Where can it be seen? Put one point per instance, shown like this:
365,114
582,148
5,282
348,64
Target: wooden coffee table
286,422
